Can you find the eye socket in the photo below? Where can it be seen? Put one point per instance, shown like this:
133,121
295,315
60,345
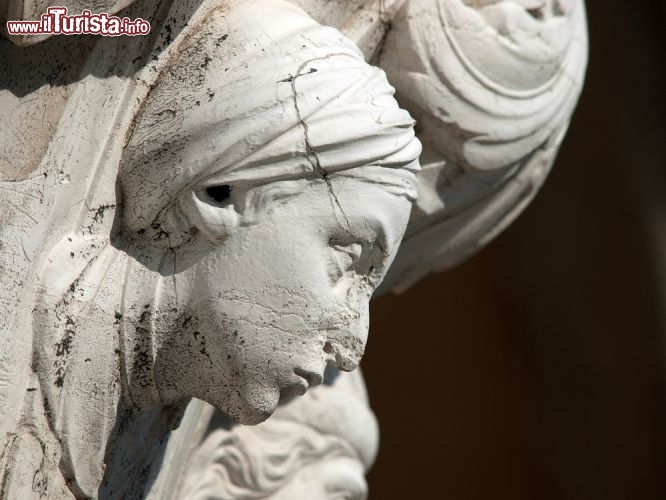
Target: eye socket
219,193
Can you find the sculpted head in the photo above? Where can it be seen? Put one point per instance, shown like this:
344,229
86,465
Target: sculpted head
277,460
317,447
266,186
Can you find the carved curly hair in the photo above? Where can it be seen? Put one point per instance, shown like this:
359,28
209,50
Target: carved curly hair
249,463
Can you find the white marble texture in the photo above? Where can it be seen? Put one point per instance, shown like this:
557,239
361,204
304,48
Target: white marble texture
205,212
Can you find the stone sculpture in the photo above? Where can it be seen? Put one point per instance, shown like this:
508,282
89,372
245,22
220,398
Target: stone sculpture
487,156
317,447
164,286
492,85
205,211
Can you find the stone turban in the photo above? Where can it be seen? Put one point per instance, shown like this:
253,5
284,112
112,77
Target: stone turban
265,94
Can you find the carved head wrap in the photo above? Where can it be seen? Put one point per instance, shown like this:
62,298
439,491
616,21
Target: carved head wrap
261,97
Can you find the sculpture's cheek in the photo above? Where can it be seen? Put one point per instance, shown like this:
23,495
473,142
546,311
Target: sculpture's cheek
267,350
243,353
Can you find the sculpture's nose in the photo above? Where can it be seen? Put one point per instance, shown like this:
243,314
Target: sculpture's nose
344,349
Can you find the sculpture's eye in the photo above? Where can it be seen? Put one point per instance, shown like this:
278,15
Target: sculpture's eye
220,194
213,209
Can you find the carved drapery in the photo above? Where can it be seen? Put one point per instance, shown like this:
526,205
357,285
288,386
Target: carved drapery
492,85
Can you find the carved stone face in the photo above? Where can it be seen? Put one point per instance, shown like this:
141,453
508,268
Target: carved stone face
269,220
278,288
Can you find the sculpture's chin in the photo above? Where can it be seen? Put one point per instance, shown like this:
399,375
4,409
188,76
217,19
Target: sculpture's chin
251,416
250,408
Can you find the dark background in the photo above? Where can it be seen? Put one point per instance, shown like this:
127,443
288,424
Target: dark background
537,370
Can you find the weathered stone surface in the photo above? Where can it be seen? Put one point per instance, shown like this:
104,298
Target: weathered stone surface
204,212
315,447
492,85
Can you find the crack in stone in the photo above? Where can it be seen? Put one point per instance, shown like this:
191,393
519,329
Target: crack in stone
309,150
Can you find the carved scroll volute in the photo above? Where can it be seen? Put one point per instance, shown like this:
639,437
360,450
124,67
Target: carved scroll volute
493,85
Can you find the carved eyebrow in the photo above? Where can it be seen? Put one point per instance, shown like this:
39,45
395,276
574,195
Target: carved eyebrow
278,190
